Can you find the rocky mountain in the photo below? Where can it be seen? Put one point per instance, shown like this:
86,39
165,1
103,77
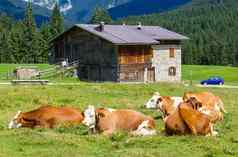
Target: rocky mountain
73,10
16,10
65,5
76,11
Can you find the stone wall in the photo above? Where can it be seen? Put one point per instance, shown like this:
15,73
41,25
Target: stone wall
162,61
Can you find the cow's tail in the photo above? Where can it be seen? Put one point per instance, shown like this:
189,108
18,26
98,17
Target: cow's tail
221,105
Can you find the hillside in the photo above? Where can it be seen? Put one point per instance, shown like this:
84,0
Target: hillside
211,25
140,7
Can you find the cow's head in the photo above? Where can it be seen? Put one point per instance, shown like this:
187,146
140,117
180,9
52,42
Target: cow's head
16,121
194,103
153,102
90,117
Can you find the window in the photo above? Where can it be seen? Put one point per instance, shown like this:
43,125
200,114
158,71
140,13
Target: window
172,71
172,52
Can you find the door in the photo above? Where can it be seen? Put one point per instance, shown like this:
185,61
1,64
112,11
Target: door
151,74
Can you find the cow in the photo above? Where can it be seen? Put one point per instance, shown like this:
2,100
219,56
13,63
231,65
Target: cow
109,121
46,117
175,125
166,104
187,120
198,122
210,104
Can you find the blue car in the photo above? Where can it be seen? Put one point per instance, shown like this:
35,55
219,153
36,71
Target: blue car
215,80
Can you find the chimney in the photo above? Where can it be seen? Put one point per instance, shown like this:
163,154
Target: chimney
139,26
101,26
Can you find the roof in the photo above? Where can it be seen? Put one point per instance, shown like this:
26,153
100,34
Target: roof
130,34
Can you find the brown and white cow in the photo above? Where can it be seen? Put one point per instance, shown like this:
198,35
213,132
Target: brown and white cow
166,104
210,104
175,125
187,120
46,117
108,121
198,122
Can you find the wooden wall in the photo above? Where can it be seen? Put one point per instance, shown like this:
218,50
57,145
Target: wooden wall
98,57
135,54
101,60
133,60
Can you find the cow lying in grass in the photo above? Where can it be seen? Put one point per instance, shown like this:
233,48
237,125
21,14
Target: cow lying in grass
206,103
210,104
46,117
187,120
109,121
166,104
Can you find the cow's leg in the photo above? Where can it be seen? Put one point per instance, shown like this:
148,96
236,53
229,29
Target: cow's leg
92,130
44,124
144,129
193,129
144,132
213,132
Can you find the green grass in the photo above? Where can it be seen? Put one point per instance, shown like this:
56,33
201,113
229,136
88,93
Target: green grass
194,72
74,142
201,72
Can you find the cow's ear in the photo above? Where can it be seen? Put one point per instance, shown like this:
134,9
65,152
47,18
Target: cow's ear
199,104
100,114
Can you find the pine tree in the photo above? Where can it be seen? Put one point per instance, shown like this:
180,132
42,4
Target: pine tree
100,15
56,22
45,37
31,44
17,52
5,25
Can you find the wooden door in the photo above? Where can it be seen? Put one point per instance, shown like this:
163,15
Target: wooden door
151,74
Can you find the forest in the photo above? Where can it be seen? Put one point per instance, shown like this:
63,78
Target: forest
23,42
211,26
212,29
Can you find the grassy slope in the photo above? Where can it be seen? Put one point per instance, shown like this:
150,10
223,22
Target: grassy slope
199,72
73,142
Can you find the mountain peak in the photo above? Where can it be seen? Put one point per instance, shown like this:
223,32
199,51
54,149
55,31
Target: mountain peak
65,5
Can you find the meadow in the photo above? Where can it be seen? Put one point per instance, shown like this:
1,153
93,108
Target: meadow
200,72
75,142
196,73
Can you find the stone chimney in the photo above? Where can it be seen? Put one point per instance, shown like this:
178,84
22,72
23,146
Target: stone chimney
101,26
139,26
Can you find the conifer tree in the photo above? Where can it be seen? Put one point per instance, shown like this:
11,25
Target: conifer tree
31,44
45,37
99,15
16,45
5,25
56,22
